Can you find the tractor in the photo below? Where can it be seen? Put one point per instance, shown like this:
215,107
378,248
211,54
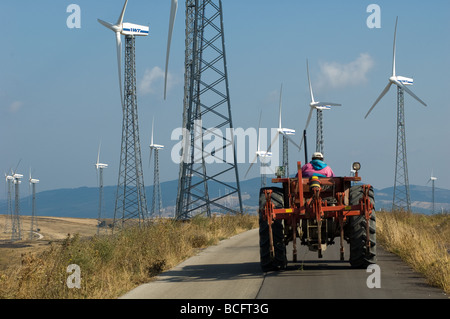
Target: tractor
317,210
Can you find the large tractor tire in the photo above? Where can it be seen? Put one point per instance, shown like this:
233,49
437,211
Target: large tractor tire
278,260
357,233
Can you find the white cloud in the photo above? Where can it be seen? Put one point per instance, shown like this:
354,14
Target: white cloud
15,106
339,75
153,81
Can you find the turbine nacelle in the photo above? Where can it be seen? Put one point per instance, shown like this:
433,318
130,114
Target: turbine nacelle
101,165
156,147
135,29
286,131
34,181
264,154
401,79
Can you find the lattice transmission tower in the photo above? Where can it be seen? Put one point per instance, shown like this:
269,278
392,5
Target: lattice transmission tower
206,112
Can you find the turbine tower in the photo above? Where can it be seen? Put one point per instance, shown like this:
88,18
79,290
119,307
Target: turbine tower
264,157
432,179
206,105
16,228
157,199
9,179
401,198
33,226
131,202
319,107
100,166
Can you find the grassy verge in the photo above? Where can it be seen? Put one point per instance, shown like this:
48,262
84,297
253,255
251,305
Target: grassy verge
421,241
113,265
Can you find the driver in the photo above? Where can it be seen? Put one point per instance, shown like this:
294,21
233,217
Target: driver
317,167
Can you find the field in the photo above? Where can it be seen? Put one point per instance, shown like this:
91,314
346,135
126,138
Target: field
51,229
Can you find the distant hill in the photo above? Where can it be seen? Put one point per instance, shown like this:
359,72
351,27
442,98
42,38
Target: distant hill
83,202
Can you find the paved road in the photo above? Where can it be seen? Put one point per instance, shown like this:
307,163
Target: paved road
230,270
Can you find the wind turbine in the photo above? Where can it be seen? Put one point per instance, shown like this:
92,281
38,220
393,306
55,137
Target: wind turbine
9,185
319,107
100,166
121,28
285,132
33,183
131,202
157,199
401,197
263,155
432,179
16,228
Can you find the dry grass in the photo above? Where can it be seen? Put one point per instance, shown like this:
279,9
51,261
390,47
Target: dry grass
421,241
113,265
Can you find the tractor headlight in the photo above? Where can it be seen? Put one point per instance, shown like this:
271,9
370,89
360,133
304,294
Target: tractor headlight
356,166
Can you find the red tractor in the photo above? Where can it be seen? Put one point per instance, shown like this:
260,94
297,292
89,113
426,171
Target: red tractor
317,210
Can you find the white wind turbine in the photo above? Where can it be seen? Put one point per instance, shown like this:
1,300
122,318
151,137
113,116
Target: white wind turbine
124,28
432,179
33,182
100,166
285,132
157,199
401,198
9,179
263,155
398,80
319,107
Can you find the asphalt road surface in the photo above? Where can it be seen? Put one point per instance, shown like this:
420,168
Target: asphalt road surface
231,270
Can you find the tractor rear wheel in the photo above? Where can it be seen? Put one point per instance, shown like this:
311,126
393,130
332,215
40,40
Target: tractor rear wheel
278,260
357,232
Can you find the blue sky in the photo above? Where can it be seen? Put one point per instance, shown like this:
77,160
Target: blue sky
59,91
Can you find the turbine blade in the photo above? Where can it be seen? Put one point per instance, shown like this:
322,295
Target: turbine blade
393,55
309,81
301,142
251,164
173,14
292,141
273,141
150,157
309,118
327,104
108,25
257,132
386,89
119,64
410,92
98,153
120,20
281,102
153,123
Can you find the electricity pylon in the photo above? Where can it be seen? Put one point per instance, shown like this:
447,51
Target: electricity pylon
206,110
